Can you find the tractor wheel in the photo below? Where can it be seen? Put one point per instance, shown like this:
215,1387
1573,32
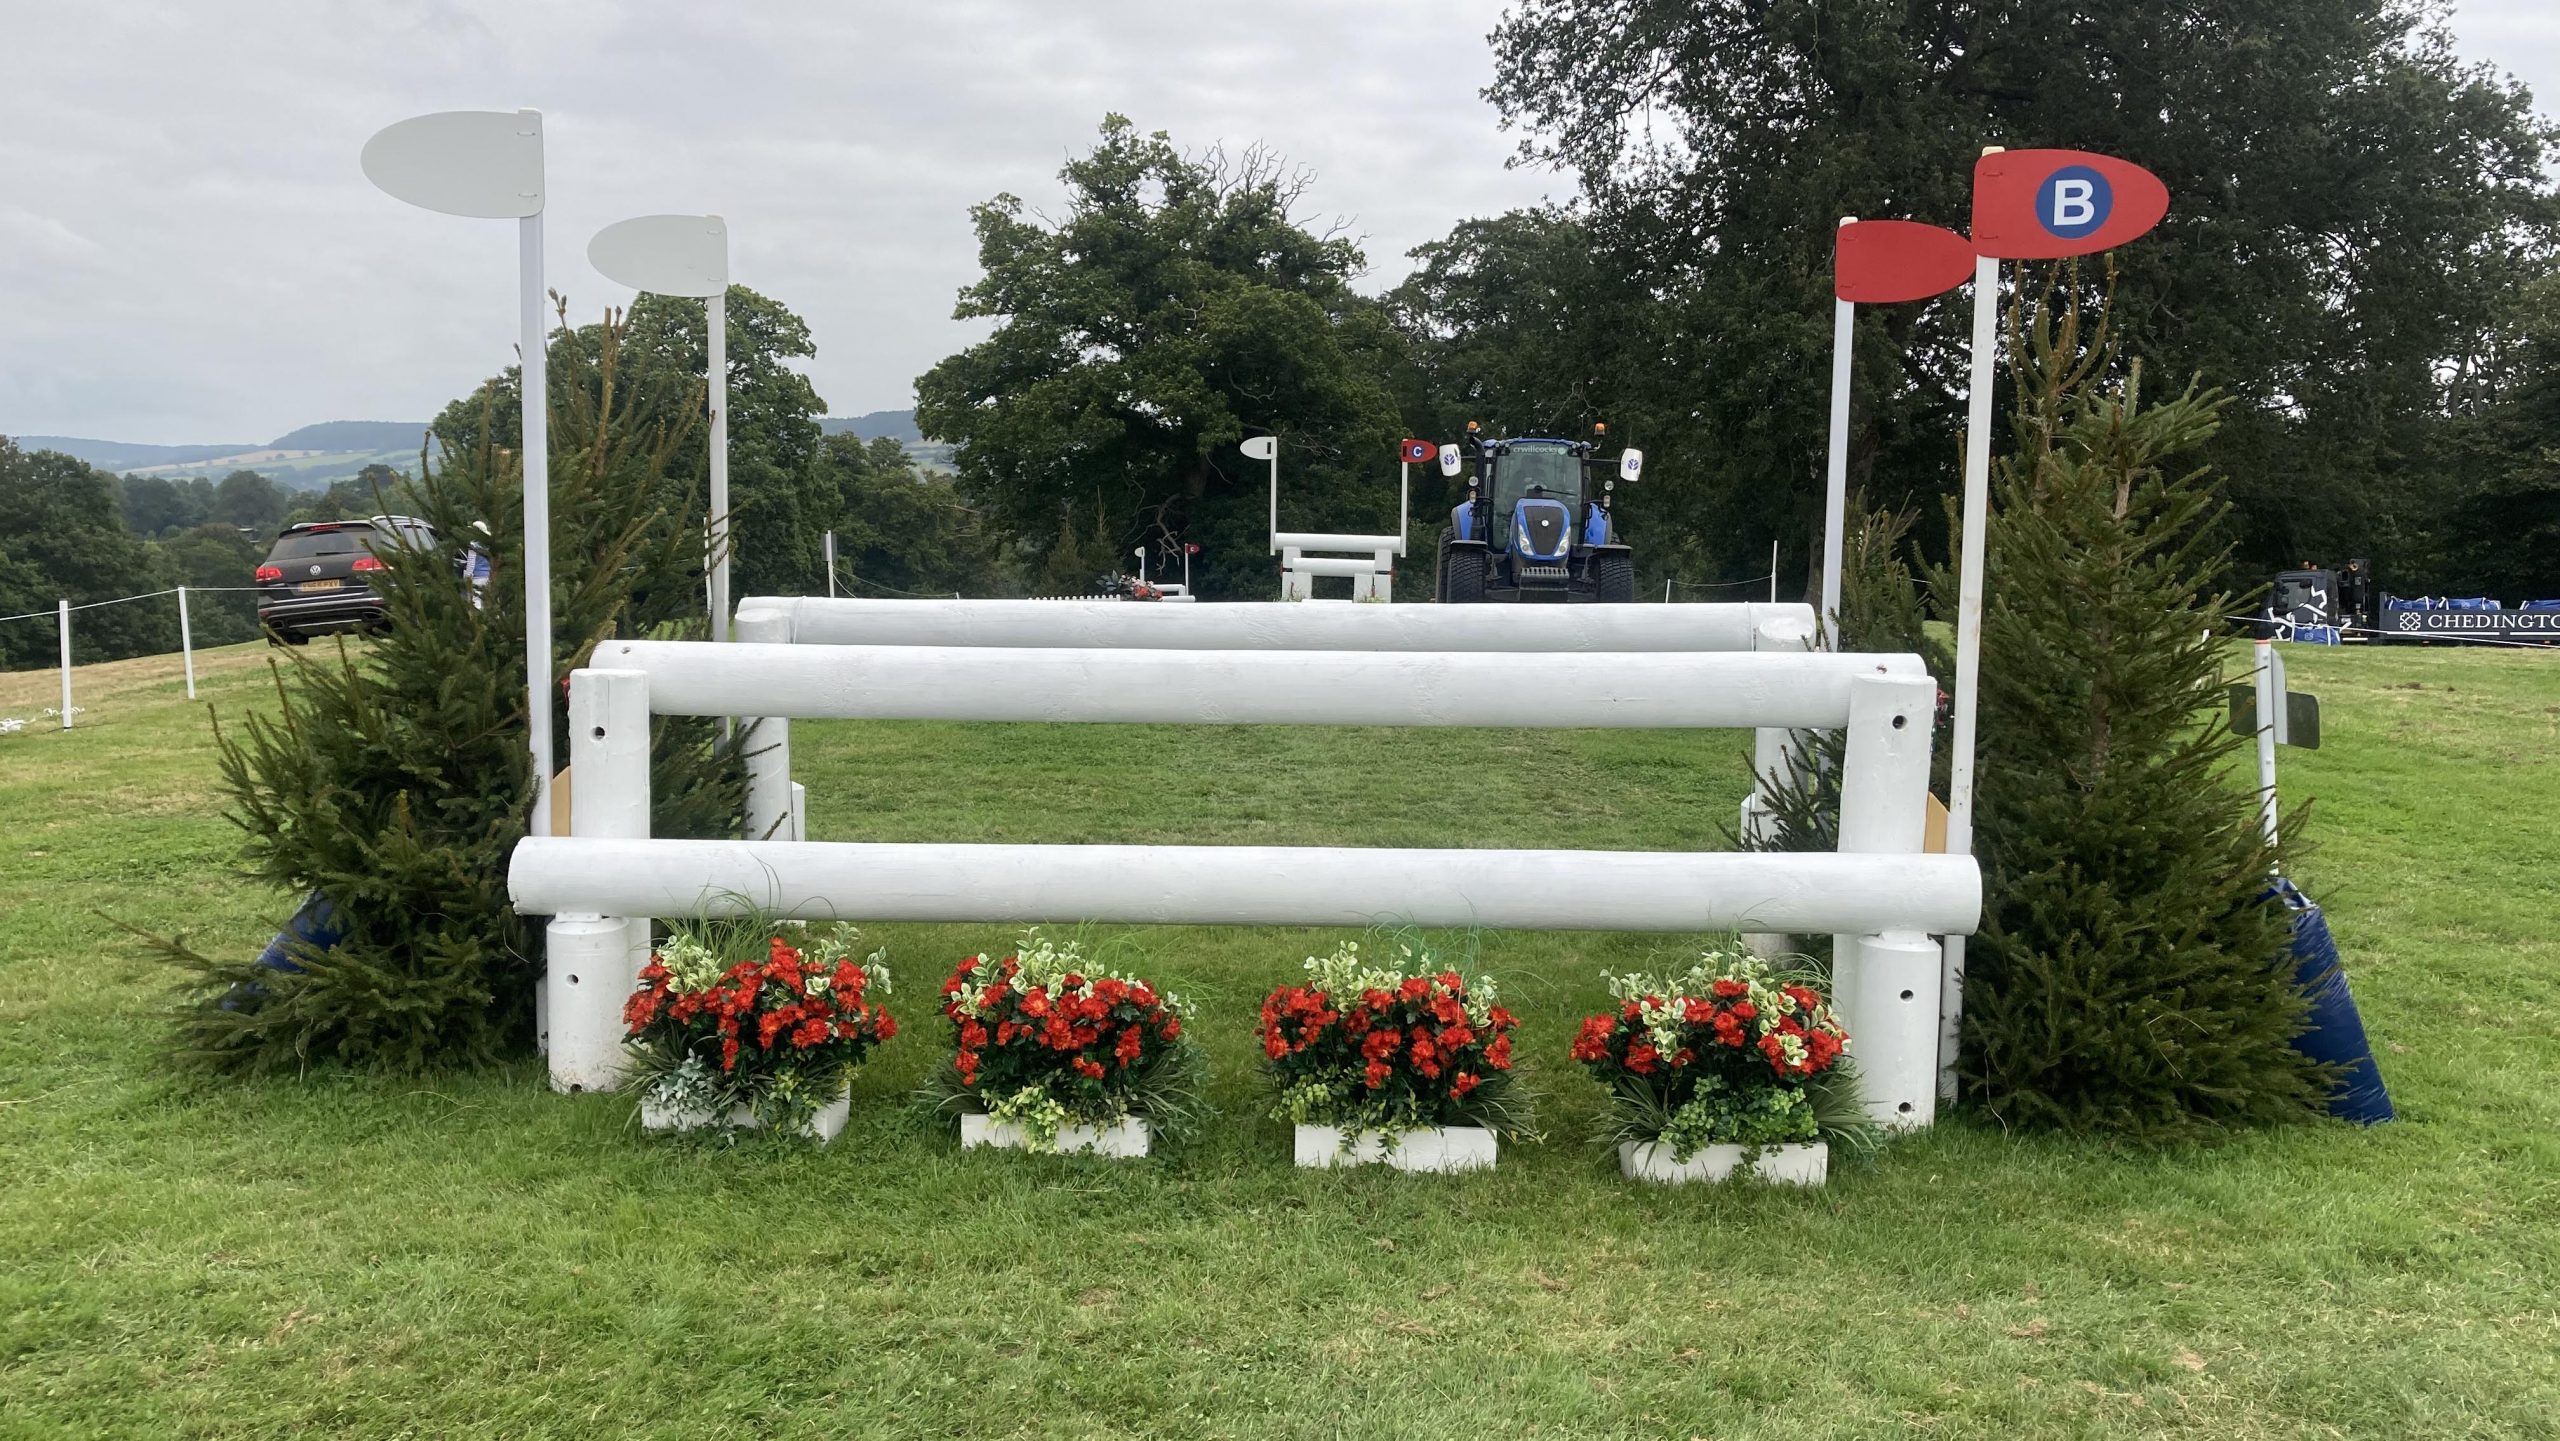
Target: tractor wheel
1461,573
1616,573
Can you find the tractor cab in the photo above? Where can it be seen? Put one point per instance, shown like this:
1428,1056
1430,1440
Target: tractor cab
1534,526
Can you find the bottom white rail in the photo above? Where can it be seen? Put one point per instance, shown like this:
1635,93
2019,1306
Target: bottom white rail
1249,885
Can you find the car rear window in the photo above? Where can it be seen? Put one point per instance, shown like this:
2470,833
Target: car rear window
315,544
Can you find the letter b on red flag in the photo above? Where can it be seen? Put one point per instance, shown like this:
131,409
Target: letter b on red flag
2046,204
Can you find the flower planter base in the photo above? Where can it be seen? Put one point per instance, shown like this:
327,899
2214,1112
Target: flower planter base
1803,1164
1124,1139
1437,1148
822,1127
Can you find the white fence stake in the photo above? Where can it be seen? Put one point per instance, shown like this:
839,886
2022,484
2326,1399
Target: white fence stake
1773,572
62,620
831,565
187,642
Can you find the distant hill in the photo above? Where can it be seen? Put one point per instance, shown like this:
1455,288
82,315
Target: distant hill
353,435
895,424
126,455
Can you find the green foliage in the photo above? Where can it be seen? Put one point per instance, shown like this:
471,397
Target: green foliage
899,530
393,777
782,500
1176,306
246,499
2131,974
2350,206
2505,448
219,562
62,538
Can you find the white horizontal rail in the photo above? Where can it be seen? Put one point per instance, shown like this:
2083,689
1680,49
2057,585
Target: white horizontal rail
1273,625
1413,688
1248,885
1326,540
1326,565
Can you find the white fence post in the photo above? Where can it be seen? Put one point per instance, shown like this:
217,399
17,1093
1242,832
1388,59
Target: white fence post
62,622
187,642
1885,985
591,962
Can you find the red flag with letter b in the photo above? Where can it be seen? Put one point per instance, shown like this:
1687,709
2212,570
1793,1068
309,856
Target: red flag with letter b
2046,204
1879,262
1419,452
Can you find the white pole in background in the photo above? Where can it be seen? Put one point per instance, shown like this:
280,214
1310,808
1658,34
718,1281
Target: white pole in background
831,565
187,642
689,255
1977,519
1835,492
62,621
2270,696
1773,572
487,164
536,396
717,307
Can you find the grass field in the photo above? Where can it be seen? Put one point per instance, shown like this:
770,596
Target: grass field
469,1255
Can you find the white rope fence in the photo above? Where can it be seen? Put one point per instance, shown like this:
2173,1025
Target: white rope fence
61,614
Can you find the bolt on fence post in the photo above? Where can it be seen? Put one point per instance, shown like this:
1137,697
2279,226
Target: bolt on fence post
62,623
187,642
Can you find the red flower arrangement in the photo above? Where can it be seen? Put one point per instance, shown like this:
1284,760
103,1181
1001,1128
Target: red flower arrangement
1044,1039
1723,1054
1367,1049
779,1032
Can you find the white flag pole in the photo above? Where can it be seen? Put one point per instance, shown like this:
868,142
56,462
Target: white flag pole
688,255
536,387
62,624
716,309
1835,493
187,642
487,164
1977,519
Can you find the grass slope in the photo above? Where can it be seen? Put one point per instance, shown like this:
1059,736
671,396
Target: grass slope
471,1255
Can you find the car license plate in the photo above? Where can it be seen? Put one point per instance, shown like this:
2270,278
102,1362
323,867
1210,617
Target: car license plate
309,586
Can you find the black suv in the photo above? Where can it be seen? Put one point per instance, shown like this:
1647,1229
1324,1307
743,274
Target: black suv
315,579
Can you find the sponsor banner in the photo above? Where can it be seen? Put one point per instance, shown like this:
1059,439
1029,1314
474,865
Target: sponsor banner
2474,624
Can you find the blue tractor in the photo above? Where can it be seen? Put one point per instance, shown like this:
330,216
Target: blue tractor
1532,527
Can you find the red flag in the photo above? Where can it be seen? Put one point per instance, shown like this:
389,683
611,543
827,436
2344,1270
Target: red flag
1878,262
2046,204
1419,452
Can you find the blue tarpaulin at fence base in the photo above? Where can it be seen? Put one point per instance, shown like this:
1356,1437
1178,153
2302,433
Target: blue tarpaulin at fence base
2337,1031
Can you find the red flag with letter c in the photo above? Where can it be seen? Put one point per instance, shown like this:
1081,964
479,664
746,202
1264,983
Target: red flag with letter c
2047,204
1878,262
1419,452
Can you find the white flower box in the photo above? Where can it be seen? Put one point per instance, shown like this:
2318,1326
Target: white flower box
1434,1148
1805,1163
1124,1139
823,1126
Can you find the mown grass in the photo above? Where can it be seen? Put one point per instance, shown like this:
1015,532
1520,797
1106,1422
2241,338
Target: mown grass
470,1255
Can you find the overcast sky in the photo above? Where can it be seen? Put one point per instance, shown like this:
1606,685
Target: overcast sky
188,252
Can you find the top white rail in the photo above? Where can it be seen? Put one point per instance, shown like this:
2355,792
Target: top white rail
1803,689
1275,625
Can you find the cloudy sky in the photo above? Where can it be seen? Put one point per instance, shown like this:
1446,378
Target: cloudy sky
188,252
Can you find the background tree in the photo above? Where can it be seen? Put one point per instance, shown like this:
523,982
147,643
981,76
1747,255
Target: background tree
782,505
899,530
156,505
1175,306
2351,205
218,562
250,501
2504,447
63,538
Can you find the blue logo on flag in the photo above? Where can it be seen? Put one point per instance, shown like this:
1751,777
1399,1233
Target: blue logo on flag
2074,201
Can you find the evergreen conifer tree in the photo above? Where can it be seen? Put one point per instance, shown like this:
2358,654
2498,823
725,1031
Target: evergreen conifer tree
393,776
2131,973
